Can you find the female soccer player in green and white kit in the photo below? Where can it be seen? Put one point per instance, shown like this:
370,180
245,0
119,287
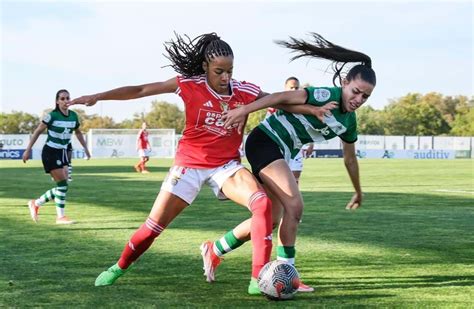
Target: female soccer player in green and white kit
309,115
61,122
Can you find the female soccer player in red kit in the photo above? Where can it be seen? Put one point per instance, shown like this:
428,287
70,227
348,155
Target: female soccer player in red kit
207,153
144,149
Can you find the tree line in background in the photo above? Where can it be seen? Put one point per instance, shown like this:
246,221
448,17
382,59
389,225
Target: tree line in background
413,114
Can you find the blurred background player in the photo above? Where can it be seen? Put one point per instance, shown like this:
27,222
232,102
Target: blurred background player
296,164
61,122
144,149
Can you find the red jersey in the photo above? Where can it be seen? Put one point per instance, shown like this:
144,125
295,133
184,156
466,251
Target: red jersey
205,142
143,139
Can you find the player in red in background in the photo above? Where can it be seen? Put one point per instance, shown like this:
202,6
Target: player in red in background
144,149
207,153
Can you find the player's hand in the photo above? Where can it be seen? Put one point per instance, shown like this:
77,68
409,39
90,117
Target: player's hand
26,155
308,151
355,202
320,111
234,118
87,100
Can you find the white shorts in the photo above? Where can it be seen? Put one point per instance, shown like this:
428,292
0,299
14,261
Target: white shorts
144,152
296,164
186,182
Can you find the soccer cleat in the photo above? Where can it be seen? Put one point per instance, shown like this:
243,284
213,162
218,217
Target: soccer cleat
253,287
210,260
303,288
145,172
109,276
64,220
33,210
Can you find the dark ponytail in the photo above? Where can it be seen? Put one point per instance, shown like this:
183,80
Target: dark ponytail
340,56
187,55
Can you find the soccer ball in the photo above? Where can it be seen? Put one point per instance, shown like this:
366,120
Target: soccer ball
278,280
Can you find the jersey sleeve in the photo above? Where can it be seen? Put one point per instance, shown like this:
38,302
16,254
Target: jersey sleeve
184,88
350,136
319,96
248,91
47,119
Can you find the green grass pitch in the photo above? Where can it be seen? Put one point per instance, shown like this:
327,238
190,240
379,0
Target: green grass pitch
411,245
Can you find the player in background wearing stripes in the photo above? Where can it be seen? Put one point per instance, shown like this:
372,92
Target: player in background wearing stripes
61,122
144,150
207,153
309,115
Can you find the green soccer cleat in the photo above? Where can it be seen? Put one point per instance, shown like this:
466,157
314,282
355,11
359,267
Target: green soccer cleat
109,276
253,287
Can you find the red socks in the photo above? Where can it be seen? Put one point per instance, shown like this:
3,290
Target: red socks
139,243
260,230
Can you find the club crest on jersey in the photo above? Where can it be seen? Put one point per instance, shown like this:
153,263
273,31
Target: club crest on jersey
224,106
321,94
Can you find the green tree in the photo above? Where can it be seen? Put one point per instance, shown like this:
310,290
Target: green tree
254,119
370,121
414,115
94,121
18,123
463,124
164,115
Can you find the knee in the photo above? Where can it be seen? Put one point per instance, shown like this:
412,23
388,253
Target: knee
294,212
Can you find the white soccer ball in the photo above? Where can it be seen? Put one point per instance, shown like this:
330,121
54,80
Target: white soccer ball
278,280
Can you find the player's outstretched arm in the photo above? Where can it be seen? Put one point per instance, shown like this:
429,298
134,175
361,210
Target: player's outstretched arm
238,115
352,166
128,92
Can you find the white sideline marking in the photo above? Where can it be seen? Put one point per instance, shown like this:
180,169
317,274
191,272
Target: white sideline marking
454,191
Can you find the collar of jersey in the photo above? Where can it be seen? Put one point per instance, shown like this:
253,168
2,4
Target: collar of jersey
218,96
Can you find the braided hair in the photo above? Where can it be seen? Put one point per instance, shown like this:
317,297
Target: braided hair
187,55
340,56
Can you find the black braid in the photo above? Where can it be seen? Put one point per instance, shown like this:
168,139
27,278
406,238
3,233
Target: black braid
187,56
322,48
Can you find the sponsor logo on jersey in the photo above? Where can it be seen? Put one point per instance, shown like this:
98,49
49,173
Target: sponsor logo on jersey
208,104
321,94
335,125
212,122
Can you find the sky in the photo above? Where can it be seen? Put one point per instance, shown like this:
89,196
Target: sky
94,46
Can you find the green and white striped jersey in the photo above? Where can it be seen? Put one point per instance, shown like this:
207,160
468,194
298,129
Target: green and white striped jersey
292,131
60,128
